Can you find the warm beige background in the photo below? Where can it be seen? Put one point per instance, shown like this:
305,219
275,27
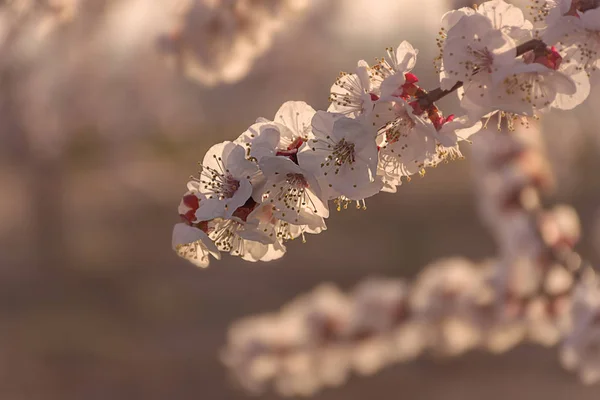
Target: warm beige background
97,141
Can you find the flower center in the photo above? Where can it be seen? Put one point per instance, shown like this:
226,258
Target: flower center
296,180
343,153
482,60
400,127
229,187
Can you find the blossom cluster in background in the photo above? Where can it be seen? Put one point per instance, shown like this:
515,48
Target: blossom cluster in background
217,41
525,294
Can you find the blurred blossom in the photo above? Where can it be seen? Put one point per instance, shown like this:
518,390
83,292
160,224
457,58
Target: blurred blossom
91,74
320,337
564,151
581,349
535,245
443,295
218,41
452,307
34,20
595,234
383,19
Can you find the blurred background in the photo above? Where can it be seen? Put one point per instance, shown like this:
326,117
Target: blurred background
105,108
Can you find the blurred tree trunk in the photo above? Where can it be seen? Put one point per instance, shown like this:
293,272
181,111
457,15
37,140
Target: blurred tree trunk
44,175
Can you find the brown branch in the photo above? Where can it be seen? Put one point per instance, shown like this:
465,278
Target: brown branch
428,100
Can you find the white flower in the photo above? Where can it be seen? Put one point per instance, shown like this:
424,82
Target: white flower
392,69
252,233
225,178
353,94
344,154
406,142
452,17
282,137
286,231
400,61
260,139
480,51
296,116
534,83
508,18
194,245
195,208
579,35
294,192
473,51
503,16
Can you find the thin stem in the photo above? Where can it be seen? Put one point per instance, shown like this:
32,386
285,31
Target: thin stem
434,95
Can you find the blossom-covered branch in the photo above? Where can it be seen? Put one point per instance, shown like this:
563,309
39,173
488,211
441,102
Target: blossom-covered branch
274,182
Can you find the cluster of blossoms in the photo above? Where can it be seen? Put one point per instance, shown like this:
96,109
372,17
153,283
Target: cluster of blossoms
273,183
527,294
217,41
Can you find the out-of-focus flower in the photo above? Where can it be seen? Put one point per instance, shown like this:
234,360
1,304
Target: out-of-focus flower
443,296
317,339
532,279
217,41
581,349
452,307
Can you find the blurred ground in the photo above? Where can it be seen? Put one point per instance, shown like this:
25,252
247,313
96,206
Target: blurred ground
95,305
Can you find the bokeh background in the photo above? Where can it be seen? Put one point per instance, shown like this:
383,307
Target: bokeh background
98,135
